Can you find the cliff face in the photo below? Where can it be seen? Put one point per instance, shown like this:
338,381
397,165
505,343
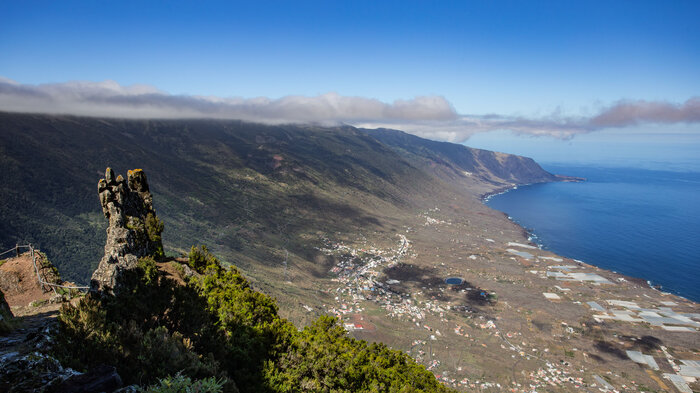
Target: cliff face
457,159
134,229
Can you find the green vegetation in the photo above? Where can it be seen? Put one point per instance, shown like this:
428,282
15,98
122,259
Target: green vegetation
210,179
217,326
148,231
69,293
152,331
178,268
49,271
200,259
39,303
154,228
322,358
181,384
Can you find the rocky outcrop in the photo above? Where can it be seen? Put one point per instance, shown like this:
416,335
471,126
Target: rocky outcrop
25,365
100,379
134,230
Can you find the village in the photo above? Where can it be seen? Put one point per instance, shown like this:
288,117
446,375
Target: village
364,286
359,271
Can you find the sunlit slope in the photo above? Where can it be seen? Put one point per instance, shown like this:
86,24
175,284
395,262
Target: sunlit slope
247,190
453,160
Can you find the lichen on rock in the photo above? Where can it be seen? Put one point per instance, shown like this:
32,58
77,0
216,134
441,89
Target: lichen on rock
134,229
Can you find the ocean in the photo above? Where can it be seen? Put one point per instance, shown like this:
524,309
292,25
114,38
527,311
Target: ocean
641,223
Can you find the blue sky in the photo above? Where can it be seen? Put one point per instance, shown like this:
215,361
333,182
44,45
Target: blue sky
534,60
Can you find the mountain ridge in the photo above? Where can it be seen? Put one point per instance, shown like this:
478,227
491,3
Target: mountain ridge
49,161
493,166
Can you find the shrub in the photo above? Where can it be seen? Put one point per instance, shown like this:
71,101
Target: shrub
201,260
154,228
182,384
217,326
249,320
86,337
150,331
323,358
149,274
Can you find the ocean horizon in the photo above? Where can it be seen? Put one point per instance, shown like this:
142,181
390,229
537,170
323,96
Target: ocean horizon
637,222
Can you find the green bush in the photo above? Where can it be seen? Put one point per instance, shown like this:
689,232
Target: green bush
254,332
151,331
182,384
217,326
202,261
322,358
86,336
154,228
149,269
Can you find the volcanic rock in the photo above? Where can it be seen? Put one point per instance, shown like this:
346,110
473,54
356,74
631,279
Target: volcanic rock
134,229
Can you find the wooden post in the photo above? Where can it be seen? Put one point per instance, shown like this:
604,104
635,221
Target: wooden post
17,249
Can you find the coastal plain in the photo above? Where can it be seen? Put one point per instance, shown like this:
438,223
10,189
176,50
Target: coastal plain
522,319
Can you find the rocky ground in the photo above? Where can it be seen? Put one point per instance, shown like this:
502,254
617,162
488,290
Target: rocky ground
25,362
23,292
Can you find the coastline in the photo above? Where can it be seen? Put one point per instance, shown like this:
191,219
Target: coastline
535,240
502,190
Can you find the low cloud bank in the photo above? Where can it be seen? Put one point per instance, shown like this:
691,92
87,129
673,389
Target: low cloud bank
628,113
113,100
431,116
621,114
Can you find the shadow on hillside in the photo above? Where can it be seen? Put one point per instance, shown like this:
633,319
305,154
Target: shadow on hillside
542,326
610,349
328,208
648,343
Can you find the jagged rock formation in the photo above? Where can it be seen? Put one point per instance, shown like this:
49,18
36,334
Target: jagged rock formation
134,229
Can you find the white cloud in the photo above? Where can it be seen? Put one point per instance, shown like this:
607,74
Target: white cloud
429,116
108,98
626,113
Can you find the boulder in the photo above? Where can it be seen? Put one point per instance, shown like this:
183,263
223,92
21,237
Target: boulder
134,230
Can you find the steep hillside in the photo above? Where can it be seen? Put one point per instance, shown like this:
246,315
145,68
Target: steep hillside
246,189
456,160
